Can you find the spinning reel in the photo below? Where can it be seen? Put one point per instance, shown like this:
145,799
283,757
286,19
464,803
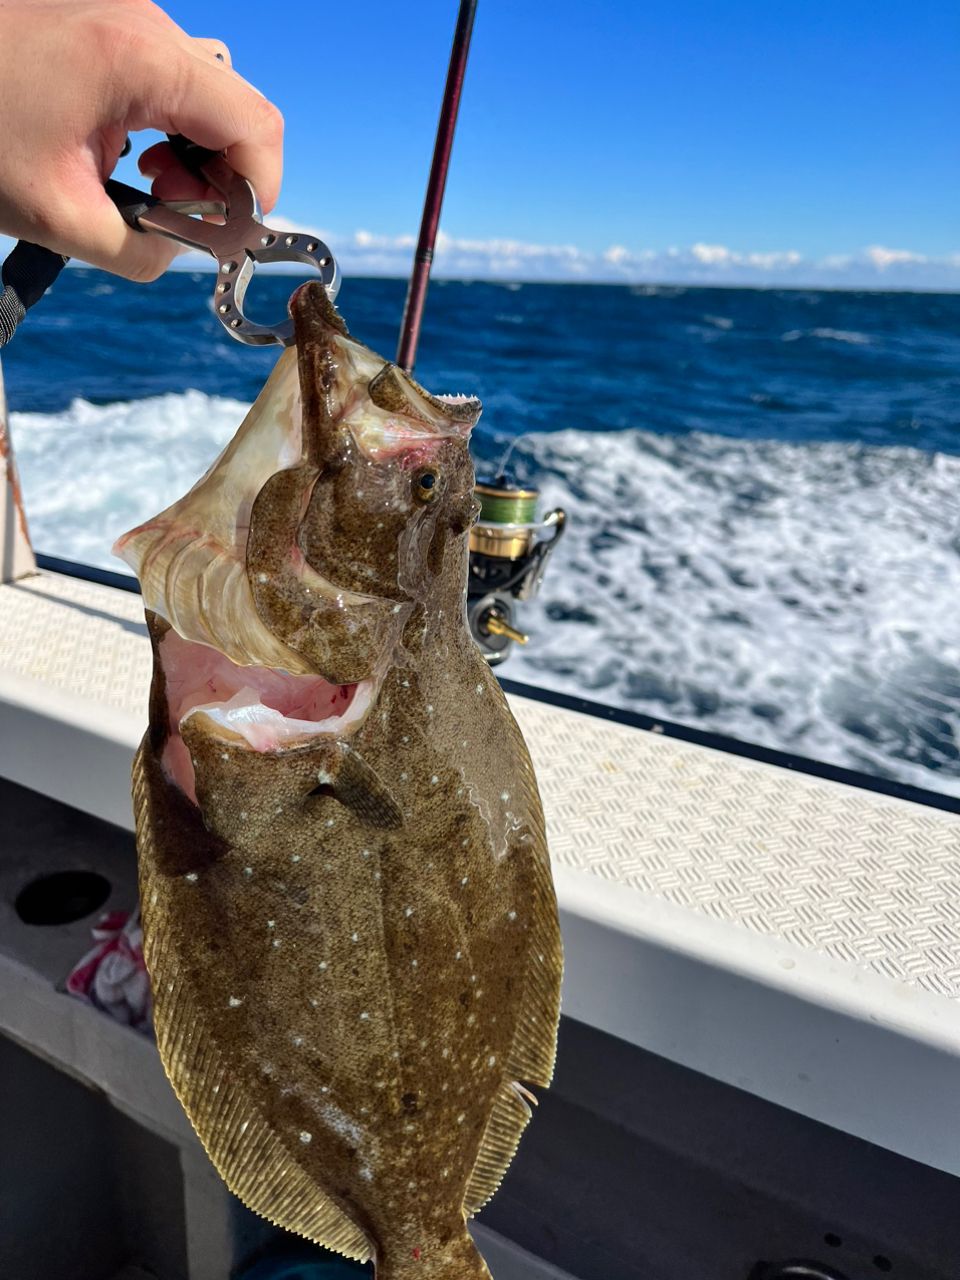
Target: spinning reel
509,549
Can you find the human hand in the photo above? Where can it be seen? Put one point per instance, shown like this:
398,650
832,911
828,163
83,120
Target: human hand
76,76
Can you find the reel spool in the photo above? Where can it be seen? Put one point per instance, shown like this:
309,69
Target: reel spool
509,549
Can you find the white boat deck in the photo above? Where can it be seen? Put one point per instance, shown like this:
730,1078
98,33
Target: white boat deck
795,937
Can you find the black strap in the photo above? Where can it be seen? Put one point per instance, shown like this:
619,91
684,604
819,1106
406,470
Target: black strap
27,274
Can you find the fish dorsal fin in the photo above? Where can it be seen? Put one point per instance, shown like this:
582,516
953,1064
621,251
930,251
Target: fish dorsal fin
191,559
534,1047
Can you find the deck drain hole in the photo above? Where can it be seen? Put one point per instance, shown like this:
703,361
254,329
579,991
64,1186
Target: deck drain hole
62,897
882,1263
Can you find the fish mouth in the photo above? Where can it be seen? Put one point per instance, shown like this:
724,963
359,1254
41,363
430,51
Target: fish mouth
261,709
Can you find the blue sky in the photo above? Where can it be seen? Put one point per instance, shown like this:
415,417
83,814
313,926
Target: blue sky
751,141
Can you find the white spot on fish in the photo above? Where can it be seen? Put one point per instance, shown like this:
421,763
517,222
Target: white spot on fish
322,965
408,911
341,1123
305,1137
404,777
364,1017
471,1019
278,809
224,755
262,577
324,778
354,937
297,1041
504,796
429,708
444,1173
414,964
243,815
365,853
331,822
445,1053
314,1001
244,1127
406,685
464,881
376,875
276,942
235,1002
271,923
405,738
511,915
248,871
153,898
479,688
461,1117
434,780
397,608
366,1174
294,857
492,1060
457,955
191,876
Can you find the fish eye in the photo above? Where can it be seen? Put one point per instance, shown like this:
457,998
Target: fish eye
426,485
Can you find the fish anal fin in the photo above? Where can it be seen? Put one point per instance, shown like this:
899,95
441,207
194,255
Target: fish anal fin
247,1153
508,1119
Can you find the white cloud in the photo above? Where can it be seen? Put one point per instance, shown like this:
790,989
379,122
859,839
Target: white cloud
712,254
364,252
883,258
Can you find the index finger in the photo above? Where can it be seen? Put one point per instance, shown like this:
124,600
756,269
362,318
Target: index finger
209,103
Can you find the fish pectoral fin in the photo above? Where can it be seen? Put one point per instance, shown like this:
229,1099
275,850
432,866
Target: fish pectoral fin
359,788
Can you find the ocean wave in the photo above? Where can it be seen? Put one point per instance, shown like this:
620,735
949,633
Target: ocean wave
850,336
797,595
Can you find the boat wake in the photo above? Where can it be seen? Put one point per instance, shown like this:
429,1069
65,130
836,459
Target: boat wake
800,596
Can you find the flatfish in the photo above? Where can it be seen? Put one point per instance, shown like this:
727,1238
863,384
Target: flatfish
350,923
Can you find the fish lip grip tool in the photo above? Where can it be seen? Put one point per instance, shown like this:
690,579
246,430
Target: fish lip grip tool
239,244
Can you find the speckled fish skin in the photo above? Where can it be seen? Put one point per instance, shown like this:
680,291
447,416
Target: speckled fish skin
352,935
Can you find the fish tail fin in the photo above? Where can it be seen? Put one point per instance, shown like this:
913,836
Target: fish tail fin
455,1259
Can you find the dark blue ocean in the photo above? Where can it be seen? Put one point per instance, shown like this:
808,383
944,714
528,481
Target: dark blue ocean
763,485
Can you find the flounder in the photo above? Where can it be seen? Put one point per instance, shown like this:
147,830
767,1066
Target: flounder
350,923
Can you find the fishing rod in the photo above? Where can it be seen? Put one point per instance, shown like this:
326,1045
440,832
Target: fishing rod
436,184
509,546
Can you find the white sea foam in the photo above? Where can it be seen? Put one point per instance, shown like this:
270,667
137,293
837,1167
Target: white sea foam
802,596
832,335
